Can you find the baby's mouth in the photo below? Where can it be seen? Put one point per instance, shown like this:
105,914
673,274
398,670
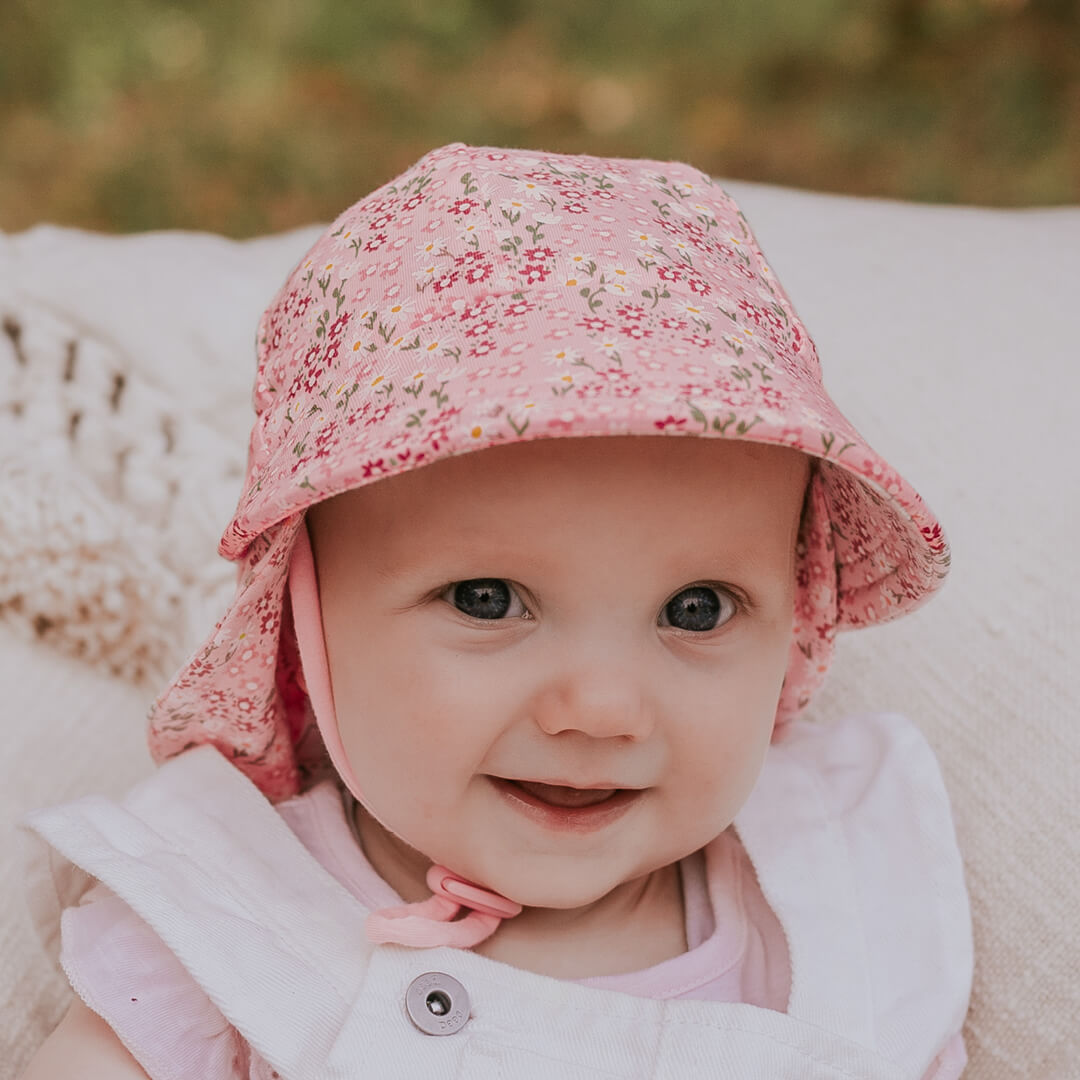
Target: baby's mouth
568,797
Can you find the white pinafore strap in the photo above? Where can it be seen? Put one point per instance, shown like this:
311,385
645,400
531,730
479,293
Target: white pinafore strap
804,869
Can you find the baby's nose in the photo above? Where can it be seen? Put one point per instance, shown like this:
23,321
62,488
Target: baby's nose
601,700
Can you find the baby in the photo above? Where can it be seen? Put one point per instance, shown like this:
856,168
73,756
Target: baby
500,739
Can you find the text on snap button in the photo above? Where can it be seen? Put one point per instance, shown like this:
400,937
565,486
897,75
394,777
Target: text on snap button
437,1003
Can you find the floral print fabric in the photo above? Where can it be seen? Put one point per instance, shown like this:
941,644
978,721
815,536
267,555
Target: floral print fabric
492,295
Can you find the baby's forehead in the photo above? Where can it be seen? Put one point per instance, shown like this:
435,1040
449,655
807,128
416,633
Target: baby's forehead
565,494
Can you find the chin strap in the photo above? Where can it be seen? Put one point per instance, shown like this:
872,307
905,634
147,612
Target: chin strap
433,922
426,923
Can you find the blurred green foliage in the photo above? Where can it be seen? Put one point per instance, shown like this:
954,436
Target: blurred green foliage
248,117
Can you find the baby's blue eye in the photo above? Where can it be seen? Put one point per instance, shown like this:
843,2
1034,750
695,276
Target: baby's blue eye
699,608
482,598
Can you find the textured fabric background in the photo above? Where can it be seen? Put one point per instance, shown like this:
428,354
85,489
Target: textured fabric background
108,526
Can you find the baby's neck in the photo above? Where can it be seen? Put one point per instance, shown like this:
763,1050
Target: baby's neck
638,924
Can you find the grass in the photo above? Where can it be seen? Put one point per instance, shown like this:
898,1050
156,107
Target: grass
244,118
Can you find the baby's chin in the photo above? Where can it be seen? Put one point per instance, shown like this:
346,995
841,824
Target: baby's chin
541,886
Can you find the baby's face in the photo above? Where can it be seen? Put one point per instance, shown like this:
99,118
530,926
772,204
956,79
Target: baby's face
595,613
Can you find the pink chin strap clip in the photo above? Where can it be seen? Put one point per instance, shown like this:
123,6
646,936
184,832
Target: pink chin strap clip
432,921
426,923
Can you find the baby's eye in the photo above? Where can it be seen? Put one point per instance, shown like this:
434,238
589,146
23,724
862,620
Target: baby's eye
700,608
484,598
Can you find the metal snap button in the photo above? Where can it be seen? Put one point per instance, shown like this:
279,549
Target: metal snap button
437,1003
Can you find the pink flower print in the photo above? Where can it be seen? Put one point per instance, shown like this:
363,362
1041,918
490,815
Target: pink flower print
323,441
358,413
216,698
575,208
588,390
375,242
244,705
602,193
477,309
444,280
625,390
750,311
693,390
882,476
511,371
331,353
534,273
381,221
477,273
482,348
379,415
303,304
594,322
463,206
772,318
668,273
635,331
532,254
435,435
772,397
698,286
699,341
338,325
669,421
479,329
518,307
668,323
471,256
374,467
934,537
631,311
396,440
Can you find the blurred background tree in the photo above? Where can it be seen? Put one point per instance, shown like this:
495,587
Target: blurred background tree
248,117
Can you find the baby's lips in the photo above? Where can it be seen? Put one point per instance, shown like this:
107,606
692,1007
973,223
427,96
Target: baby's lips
569,797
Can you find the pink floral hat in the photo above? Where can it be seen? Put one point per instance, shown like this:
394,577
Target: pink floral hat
488,296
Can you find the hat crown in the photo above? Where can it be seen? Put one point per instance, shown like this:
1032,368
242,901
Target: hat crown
554,278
